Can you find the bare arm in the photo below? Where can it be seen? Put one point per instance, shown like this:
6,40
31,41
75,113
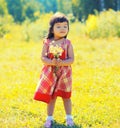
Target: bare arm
70,58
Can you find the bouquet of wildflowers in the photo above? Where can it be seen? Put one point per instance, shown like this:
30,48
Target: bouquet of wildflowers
56,51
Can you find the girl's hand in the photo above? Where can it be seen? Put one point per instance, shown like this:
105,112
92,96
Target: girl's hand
54,61
59,62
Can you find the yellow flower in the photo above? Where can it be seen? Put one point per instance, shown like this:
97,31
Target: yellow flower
8,36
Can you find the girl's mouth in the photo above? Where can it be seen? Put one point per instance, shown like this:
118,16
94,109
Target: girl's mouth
62,32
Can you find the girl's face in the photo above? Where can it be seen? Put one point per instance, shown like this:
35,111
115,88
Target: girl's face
60,30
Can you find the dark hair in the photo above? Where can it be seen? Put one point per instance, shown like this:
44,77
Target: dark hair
58,17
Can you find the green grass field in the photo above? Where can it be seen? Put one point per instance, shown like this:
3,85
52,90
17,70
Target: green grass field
96,84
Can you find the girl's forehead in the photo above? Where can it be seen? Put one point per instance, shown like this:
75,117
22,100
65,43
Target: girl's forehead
61,23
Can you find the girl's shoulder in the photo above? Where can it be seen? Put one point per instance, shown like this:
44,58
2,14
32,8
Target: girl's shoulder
68,42
46,41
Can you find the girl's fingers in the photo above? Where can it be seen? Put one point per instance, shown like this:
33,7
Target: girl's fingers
59,61
54,61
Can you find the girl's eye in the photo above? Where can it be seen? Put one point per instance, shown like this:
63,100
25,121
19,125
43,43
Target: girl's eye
58,26
65,26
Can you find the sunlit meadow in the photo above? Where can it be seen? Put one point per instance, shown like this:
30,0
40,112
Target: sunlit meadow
96,81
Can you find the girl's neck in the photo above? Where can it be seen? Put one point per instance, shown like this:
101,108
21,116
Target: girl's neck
55,38
58,39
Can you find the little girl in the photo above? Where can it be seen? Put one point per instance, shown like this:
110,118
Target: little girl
56,76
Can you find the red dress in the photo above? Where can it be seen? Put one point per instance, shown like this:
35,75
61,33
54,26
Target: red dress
53,84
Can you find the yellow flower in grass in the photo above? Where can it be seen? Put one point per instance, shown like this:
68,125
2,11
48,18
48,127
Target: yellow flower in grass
8,36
